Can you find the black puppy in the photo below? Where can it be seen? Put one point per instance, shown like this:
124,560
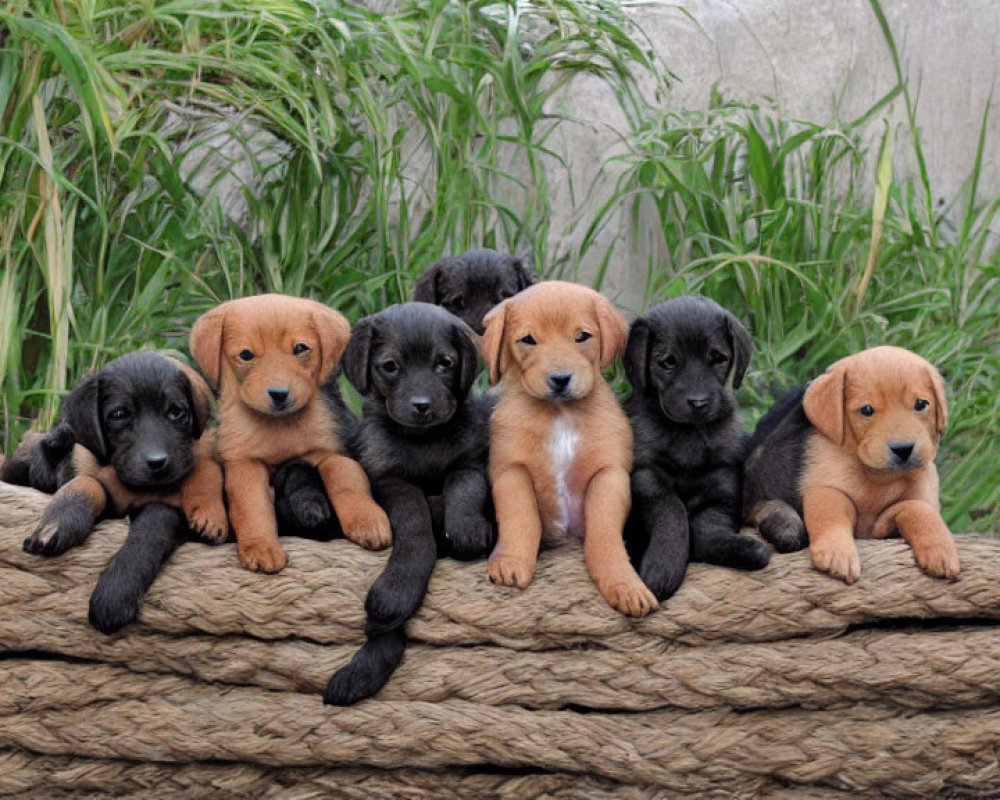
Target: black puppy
470,285
126,444
689,442
423,440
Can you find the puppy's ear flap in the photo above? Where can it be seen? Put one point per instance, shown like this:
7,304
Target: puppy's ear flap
940,401
636,359
824,403
614,331
205,343
742,346
468,356
81,411
199,397
523,271
492,341
357,356
425,289
334,331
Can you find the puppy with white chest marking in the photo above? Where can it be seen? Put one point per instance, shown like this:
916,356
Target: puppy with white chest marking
268,355
561,446
852,456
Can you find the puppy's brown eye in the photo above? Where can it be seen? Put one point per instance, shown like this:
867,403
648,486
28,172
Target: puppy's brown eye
300,348
389,367
866,410
582,336
444,364
717,357
119,415
245,355
528,340
920,405
669,361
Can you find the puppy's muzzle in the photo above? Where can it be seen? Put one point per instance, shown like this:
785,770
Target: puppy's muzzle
698,403
559,383
157,462
421,405
279,398
901,452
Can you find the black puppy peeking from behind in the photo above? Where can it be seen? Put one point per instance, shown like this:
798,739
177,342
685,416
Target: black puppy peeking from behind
423,440
470,284
689,442
126,444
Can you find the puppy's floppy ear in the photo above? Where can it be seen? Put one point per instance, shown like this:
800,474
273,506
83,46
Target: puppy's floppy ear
357,356
468,356
492,341
334,331
614,330
742,346
940,400
524,273
206,343
823,403
636,359
199,397
425,290
81,411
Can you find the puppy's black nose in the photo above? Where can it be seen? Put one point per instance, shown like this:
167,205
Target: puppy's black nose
420,404
156,461
559,383
698,402
902,451
278,396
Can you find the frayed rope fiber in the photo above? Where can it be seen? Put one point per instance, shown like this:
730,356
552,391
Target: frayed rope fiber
777,683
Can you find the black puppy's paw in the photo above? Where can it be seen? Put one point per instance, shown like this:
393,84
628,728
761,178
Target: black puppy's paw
471,536
746,552
112,607
301,502
662,578
56,534
785,530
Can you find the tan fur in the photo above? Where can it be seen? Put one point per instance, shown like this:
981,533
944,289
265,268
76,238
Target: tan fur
849,488
251,441
526,490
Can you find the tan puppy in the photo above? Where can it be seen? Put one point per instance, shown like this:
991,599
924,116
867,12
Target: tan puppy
268,356
869,467
561,447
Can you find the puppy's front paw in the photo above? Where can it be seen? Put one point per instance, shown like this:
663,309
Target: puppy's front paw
939,558
368,526
471,536
631,598
838,560
312,510
53,537
263,555
511,571
209,522
111,608
785,531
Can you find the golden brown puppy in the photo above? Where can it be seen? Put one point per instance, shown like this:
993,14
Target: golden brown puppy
869,467
561,447
268,356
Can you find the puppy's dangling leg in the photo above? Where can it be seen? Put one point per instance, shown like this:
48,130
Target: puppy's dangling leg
393,598
69,517
154,533
659,519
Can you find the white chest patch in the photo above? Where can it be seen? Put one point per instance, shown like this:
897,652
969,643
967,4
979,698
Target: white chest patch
563,441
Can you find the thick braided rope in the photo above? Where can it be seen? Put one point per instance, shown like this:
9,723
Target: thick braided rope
861,748
320,595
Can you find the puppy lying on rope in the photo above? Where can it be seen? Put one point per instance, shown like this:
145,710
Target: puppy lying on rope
423,441
560,445
689,442
268,355
852,456
131,441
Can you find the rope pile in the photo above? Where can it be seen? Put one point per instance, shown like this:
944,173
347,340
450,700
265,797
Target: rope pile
777,683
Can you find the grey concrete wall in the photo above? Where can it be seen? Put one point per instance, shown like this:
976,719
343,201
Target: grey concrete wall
819,61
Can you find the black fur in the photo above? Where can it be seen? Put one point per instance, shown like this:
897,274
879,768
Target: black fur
689,442
470,285
137,413
772,470
423,440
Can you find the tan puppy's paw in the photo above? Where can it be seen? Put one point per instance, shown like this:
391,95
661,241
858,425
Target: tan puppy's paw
631,598
263,556
511,571
367,526
209,522
939,558
838,560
